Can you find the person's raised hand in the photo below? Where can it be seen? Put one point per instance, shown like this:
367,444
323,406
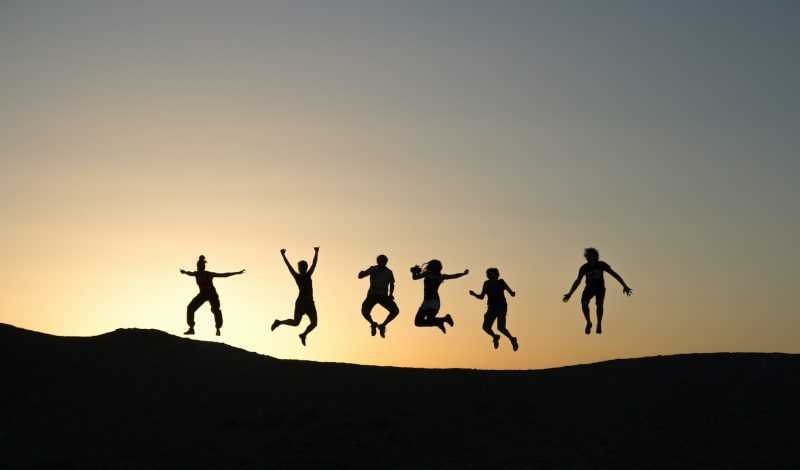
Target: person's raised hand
283,251
466,271
316,248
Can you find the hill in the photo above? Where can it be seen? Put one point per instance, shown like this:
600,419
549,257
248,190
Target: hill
147,399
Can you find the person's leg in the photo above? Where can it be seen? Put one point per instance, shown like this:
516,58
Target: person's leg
501,327
427,317
196,302
393,310
366,309
214,301
488,320
311,311
585,298
298,315
598,301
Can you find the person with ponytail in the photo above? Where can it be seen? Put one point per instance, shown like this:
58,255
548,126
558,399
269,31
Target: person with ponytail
431,273
207,293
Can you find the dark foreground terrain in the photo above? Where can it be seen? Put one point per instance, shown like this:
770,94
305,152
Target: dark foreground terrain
146,399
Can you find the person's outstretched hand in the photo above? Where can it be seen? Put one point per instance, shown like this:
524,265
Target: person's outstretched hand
241,272
472,293
627,291
183,271
283,251
513,294
466,271
566,298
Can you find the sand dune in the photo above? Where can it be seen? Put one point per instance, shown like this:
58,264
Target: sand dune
147,399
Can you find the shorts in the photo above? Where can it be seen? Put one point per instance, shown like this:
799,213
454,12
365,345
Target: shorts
598,292
431,304
376,299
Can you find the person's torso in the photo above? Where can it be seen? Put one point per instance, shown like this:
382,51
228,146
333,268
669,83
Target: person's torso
205,282
304,284
432,283
379,280
594,273
495,291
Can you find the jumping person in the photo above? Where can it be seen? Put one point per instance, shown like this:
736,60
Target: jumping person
381,279
433,278
304,305
494,288
595,287
207,293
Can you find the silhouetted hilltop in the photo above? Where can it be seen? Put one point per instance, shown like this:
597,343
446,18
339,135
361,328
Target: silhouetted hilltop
147,399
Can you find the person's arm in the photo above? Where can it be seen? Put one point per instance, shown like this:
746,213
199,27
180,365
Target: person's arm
365,273
574,286
455,276
288,264
481,295
505,286
625,289
314,261
188,273
227,274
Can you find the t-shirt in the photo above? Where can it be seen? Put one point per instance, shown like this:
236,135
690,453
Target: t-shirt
432,283
304,284
204,281
379,279
594,273
495,292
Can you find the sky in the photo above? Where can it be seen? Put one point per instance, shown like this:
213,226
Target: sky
135,136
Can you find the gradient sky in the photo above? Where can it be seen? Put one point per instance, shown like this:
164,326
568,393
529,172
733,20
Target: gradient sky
135,136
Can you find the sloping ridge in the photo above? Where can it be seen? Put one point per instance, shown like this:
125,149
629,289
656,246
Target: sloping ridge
146,399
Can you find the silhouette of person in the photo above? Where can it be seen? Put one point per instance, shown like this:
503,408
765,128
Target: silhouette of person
595,287
431,273
205,281
304,305
497,307
381,279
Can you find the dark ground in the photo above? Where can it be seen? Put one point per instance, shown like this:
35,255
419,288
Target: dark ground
146,399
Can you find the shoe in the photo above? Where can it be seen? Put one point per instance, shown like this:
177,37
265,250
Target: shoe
190,331
218,333
441,327
588,328
496,341
373,328
303,339
382,330
448,319
514,344
599,330
274,325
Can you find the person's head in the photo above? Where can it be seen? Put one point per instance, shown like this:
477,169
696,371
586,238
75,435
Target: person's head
201,263
302,266
382,260
434,266
591,254
493,274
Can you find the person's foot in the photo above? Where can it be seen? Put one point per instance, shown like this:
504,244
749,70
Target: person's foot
373,328
588,328
303,338
514,344
496,341
274,325
599,329
441,327
382,330
218,333
448,319
190,331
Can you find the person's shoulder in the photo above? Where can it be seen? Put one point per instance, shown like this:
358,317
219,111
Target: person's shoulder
584,267
502,282
604,265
